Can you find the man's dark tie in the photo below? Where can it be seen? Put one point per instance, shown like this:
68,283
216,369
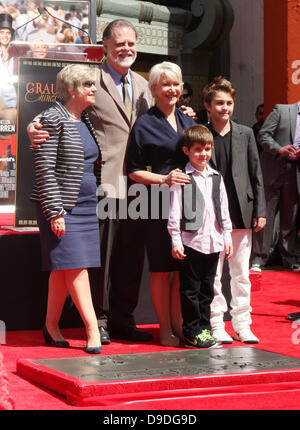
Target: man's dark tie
126,97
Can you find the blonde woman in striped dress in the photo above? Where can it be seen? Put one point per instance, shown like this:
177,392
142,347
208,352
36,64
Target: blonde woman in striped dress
67,172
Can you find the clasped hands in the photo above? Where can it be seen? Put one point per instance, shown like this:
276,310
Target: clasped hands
290,150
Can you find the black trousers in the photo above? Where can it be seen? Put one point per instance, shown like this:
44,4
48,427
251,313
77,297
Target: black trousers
116,285
197,274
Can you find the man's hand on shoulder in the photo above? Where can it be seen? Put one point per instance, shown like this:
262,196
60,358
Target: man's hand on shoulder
36,134
187,110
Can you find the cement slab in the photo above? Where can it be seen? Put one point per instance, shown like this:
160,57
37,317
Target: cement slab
120,367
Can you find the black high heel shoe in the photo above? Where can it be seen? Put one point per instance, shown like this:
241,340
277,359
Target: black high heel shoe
93,349
56,343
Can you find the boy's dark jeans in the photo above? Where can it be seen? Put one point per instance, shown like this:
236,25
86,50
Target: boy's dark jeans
197,274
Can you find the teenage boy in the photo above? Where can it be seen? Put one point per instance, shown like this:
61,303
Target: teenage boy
200,226
236,158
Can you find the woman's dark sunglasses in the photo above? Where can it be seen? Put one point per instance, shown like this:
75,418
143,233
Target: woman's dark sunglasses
89,84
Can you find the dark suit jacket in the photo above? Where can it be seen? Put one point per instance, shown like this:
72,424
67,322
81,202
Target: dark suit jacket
112,125
246,173
277,131
59,162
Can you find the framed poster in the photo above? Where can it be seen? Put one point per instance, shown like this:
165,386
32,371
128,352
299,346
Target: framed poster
36,92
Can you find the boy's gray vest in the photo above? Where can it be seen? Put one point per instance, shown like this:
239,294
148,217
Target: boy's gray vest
193,204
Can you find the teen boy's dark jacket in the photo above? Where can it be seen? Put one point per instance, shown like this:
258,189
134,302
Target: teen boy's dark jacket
59,162
246,173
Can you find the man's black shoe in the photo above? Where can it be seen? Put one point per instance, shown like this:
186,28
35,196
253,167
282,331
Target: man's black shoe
131,333
293,317
105,340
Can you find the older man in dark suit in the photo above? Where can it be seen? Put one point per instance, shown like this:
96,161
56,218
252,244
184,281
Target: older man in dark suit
280,163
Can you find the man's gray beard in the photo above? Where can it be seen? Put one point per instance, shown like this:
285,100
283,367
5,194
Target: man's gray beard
128,62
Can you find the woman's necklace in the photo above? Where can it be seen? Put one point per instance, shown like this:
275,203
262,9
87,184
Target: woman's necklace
74,117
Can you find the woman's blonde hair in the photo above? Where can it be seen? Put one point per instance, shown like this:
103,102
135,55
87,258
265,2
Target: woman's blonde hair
72,77
166,68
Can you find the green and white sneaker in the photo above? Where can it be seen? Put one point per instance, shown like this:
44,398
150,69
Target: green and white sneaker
202,340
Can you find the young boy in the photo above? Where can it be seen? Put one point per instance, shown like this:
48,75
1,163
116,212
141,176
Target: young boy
200,227
236,158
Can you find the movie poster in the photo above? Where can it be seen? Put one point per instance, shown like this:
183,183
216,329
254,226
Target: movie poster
8,115
36,93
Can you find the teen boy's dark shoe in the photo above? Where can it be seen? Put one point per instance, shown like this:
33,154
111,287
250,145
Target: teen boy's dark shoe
130,333
202,340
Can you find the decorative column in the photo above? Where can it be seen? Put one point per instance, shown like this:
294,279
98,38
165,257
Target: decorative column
281,52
